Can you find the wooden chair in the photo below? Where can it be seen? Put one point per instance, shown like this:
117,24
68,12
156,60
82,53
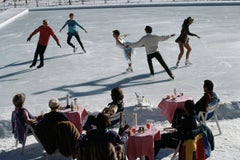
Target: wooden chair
209,114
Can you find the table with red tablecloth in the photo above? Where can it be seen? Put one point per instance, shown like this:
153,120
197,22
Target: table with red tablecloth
76,116
169,105
142,144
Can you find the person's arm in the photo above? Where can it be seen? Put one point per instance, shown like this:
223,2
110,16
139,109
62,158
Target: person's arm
63,26
165,37
119,42
33,33
191,34
27,118
81,27
54,37
139,43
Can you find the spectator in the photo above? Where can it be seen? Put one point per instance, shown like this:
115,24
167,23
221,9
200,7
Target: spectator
21,116
209,97
116,106
184,123
103,135
54,115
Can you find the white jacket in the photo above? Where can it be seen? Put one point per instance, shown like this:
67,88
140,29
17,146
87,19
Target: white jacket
150,42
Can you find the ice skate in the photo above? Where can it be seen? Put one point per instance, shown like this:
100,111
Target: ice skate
129,69
187,63
177,64
74,49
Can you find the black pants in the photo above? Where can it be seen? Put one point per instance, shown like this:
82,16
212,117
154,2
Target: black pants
78,39
40,50
158,56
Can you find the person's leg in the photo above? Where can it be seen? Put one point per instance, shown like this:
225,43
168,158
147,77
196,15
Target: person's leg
80,42
69,41
35,56
150,65
129,59
41,54
162,62
189,49
181,48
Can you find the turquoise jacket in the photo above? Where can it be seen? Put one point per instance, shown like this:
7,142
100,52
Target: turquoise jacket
72,29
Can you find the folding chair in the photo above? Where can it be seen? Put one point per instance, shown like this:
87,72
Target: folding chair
117,119
211,113
27,133
175,150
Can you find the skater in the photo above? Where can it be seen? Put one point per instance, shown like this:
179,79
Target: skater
45,32
72,31
150,42
183,41
120,42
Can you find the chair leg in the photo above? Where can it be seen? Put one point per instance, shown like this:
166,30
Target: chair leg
176,150
219,129
16,144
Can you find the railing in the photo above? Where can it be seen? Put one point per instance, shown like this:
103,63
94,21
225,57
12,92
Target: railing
50,3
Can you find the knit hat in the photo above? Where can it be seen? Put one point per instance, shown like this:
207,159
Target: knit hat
53,103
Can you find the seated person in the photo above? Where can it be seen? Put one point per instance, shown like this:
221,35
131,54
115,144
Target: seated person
113,109
55,131
102,135
116,106
21,116
185,123
54,115
209,97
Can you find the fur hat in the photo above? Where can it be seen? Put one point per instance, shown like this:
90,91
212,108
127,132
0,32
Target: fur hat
19,99
53,103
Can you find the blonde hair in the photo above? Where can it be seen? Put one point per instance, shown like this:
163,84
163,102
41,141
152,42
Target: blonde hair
19,99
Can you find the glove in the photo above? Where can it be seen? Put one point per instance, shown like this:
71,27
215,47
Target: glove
29,38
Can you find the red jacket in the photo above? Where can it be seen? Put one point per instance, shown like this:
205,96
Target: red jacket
45,33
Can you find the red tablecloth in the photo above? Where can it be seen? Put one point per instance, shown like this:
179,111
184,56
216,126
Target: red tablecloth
76,116
142,144
168,106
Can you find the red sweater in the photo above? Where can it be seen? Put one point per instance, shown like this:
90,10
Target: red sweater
45,33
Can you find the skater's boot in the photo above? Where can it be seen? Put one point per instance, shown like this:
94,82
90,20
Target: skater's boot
177,64
187,62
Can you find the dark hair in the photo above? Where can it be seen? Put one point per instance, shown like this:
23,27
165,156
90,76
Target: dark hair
209,85
102,121
117,94
116,32
189,106
148,29
71,14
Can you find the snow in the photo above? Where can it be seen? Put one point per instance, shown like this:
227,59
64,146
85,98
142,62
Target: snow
91,76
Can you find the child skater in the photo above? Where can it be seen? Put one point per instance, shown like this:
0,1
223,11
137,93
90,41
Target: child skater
128,51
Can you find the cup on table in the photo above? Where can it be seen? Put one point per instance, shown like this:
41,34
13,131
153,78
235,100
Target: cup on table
149,123
133,131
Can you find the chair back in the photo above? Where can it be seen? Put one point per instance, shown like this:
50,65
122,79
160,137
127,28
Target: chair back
116,119
211,113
